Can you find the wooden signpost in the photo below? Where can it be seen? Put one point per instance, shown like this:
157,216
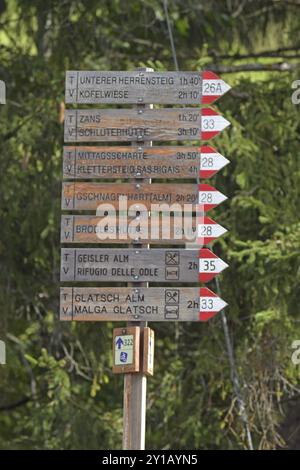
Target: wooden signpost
115,183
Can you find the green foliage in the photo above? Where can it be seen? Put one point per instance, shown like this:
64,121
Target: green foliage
57,390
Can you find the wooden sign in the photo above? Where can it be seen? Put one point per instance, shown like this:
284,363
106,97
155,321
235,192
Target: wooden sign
148,351
165,230
138,304
126,350
102,264
89,87
141,229
141,162
85,196
127,125
119,265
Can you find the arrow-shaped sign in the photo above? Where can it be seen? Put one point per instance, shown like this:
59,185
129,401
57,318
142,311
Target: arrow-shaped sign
129,87
210,161
127,125
119,342
212,87
209,304
209,265
209,197
209,230
212,123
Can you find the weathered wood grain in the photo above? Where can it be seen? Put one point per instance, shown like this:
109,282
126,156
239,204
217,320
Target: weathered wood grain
88,87
129,303
84,162
88,196
127,125
127,265
141,229
148,340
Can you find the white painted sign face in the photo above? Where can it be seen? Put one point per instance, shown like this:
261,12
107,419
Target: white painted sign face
214,87
2,352
211,304
124,350
2,92
151,353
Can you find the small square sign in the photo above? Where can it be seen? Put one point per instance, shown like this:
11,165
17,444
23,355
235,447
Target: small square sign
124,350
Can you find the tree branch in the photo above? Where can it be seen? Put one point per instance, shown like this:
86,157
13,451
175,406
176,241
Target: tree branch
277,67
280,52
12,406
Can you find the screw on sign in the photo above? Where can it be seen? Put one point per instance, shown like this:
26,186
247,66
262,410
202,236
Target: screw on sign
209,304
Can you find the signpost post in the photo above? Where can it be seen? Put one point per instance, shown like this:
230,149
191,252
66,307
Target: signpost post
2,343
134,267
135,385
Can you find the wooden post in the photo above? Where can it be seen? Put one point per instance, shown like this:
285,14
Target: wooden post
135,385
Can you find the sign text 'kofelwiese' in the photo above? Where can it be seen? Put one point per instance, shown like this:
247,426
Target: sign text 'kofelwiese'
115,87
